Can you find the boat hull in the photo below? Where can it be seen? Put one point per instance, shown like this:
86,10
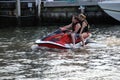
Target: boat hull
112,8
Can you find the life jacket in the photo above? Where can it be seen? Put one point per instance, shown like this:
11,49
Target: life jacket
86,28
74,26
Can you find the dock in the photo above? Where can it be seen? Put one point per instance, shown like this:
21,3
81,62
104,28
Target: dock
69,3
33,12
61,11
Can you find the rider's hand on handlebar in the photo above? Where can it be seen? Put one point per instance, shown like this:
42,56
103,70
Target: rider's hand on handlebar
63,29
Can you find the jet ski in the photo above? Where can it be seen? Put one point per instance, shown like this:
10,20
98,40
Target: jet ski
60,39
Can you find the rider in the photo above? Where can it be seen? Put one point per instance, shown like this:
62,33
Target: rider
80,27
84,27
75,28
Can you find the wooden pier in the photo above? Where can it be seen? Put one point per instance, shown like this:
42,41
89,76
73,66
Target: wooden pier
32,12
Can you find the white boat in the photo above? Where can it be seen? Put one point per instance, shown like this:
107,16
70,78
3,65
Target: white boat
111,7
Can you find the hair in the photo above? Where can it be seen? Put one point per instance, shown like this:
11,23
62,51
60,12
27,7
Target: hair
82,15
76,18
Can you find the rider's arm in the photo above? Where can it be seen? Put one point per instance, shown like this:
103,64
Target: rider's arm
83,25
66,27
77,28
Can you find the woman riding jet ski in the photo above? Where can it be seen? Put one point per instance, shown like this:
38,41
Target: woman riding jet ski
79,28
65,39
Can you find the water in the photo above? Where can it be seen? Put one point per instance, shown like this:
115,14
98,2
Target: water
19,62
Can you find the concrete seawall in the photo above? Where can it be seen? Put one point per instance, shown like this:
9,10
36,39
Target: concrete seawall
63,15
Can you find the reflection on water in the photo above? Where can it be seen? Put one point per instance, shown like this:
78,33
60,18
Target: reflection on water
18,62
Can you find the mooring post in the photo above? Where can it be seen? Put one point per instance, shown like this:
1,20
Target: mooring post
37,20
39,9
82,9
36,3
18,12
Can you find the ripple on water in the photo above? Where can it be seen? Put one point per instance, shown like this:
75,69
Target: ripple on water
10,68
99,62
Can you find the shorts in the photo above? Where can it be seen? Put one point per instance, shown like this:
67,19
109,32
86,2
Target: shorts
77,35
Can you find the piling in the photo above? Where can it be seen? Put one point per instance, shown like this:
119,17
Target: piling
39,10
82,9
18,12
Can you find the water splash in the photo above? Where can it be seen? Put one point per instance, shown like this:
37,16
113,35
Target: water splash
112,41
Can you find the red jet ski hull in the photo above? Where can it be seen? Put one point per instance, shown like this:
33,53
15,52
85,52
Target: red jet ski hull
59,39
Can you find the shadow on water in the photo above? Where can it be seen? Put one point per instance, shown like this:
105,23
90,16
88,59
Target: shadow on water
19,62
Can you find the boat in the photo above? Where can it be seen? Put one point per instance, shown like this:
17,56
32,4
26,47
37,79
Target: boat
60,39
111,7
